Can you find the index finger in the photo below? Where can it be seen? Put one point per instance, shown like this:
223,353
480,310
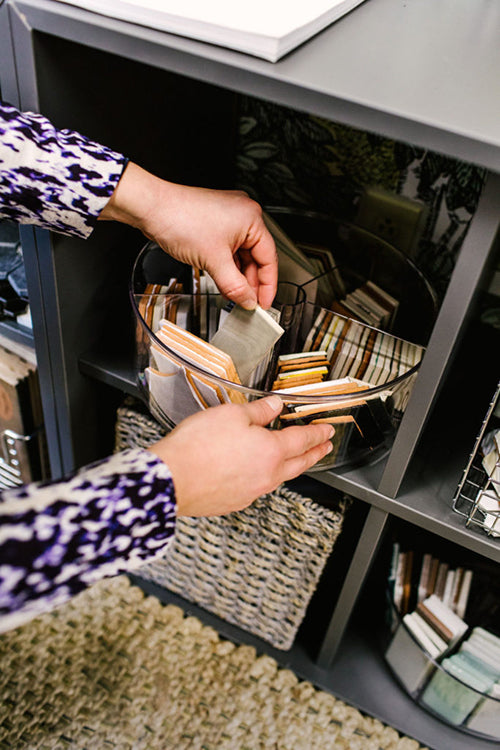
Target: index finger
298,440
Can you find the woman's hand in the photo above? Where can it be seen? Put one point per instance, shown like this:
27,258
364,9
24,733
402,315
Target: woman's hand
223,458
220,231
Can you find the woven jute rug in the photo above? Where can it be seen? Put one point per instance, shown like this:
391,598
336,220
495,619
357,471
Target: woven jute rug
116,669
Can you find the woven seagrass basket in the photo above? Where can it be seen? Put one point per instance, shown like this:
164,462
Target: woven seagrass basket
257,568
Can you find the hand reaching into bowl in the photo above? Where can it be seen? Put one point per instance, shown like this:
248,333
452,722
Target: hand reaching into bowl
220,231
223,458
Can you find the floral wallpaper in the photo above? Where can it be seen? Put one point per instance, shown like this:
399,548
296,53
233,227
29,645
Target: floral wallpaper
296,160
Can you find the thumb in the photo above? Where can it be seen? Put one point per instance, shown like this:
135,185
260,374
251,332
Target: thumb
234,285
264,410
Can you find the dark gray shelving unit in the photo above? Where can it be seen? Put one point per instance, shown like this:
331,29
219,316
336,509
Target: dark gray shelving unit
392,67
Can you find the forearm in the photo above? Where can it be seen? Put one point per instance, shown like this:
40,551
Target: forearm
57,538
61,180
57,179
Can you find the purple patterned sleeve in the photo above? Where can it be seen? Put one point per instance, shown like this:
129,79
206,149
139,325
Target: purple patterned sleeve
58,537
53,178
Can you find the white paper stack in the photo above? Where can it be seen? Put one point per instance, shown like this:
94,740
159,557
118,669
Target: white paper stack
260,28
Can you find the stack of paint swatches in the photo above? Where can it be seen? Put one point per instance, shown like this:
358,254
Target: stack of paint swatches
197,310
369,304
302,368
361,420
306,264
359,351
249,337
176,390
161,301
243,341
205,306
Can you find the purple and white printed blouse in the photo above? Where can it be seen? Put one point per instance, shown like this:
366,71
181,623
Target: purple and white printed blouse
53,178
58,537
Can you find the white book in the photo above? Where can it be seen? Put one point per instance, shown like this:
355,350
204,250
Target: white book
414,626
260,28
381,313
484,642
438,643
451,620
391,302
448,587
360,310
424,577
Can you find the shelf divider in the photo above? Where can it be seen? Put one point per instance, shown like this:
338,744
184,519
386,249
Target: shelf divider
362,559
478,250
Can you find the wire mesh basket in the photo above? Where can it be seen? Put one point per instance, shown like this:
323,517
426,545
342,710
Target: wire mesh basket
478,494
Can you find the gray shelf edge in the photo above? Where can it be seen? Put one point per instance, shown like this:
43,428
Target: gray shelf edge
276,82
437,518
356,669
116,371
417,506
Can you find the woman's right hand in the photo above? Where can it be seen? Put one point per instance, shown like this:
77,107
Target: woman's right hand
221,231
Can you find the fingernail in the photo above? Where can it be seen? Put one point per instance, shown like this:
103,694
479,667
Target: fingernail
275,403
332,432
329,448
249,304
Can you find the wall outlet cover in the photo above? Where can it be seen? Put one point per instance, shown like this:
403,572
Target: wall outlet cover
392,217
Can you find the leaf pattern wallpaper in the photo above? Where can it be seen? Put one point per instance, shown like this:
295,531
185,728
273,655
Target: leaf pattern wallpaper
292,159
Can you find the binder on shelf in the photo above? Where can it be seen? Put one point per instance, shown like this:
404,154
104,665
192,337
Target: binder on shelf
23,453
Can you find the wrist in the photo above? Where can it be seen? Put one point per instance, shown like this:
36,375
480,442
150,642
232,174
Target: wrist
134,199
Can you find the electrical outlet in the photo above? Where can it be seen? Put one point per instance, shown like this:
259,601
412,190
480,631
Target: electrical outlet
394,218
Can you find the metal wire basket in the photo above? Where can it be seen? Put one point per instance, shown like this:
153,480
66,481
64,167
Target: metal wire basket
478,494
